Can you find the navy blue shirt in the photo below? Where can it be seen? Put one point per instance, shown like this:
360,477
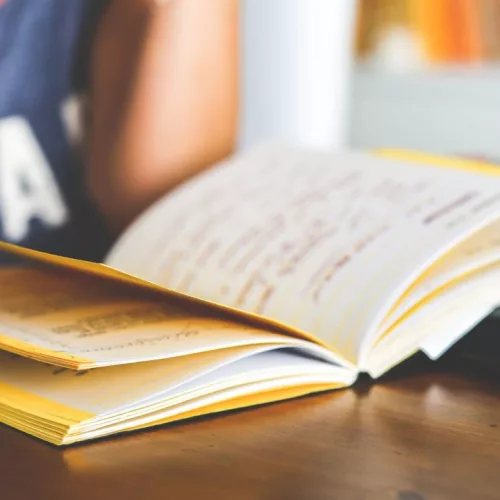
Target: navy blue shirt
43,203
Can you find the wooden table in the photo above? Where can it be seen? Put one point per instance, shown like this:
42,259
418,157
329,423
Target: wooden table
428,431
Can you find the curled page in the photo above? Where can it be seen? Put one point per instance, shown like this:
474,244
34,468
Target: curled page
79,321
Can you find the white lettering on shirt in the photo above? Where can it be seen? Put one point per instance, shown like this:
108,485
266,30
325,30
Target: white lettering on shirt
28,188
72,114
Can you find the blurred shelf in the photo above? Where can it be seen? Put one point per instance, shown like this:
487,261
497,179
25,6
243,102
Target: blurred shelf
479,71
452,110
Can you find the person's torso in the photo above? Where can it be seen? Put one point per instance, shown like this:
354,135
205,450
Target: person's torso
42,200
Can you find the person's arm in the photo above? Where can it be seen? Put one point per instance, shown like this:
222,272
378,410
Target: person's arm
163,99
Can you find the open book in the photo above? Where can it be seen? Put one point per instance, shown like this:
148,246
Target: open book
278,273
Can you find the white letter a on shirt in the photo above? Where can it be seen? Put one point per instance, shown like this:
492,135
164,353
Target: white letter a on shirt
28,188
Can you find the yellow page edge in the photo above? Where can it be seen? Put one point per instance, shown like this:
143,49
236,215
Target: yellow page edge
32,351
434,160
41,407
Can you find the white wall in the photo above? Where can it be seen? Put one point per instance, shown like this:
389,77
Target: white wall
444,111
296,57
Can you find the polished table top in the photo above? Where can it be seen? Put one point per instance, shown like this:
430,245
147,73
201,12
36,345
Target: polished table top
427,431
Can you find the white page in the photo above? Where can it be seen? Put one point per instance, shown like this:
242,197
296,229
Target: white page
263,371
108,390
324,243
264,391
440,322
100,391
480,251
213,380
268,364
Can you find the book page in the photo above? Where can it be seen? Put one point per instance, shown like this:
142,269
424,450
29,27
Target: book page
263,372
110,388
321,242
480,251
79,321
62,406
440,321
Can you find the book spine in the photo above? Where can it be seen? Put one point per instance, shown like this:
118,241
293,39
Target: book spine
472,30
366,28
447,31
433,18
490,23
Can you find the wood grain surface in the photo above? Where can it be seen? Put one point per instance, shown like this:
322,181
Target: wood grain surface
426,431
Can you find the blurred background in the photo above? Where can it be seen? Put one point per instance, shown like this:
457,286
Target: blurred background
413,74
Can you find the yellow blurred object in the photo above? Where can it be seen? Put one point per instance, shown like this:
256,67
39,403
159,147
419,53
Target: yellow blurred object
450,31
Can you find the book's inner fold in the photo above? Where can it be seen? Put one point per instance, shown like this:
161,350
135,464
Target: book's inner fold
440,322
448,300
478,252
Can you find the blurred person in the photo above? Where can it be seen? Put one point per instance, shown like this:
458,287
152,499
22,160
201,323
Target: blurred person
104,107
